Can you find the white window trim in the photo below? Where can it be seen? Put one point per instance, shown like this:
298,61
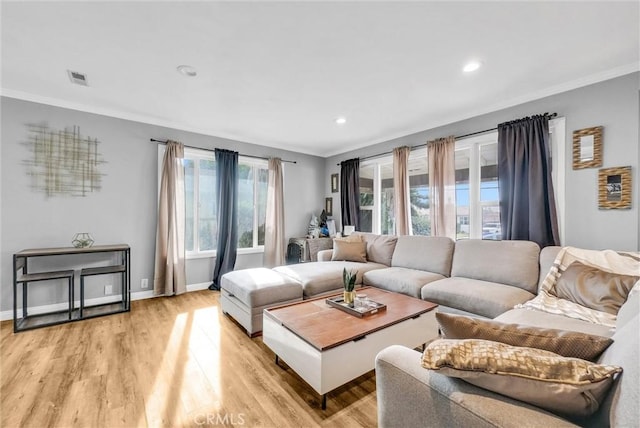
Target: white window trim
557,128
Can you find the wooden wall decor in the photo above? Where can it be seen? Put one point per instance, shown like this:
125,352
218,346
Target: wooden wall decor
587,148
614,188
63,162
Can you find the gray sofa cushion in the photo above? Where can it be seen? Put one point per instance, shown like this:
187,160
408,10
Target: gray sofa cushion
547,256
379,247
540,319
621,407
505,262
260,286
427,253
400,280
488,299
321,277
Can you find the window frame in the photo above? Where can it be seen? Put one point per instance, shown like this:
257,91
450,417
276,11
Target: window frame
197,154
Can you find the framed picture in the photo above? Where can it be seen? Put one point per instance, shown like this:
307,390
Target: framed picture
587,148
614,188
334,183
331,225
328,206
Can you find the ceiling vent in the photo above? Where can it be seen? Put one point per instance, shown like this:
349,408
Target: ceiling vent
77,78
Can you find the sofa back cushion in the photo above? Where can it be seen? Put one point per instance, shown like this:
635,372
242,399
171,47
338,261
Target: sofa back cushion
621,408
547,257
427,253
379,247
506,262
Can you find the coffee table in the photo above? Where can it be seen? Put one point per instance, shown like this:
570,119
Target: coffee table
328,347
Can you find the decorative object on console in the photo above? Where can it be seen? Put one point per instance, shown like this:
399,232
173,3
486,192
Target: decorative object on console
348,230
331,227
349,282
313,230
334,183
614,188
82,240
587,148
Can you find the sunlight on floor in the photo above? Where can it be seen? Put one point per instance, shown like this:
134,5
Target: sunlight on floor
192,352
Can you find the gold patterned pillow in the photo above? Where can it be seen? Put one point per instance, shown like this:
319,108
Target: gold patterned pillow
566,343
567,386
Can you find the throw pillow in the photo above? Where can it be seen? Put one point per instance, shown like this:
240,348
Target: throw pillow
566,343
350,238
567,386
593,288
379,247
349,251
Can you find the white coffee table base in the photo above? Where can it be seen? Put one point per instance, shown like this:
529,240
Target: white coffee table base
326,370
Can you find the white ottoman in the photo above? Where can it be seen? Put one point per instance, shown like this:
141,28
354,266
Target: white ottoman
245,293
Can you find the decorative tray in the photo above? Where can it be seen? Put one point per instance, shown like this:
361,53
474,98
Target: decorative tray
361,312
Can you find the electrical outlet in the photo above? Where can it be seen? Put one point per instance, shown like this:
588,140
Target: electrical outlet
144,283
108,289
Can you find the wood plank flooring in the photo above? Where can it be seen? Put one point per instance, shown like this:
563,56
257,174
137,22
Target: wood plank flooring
170,362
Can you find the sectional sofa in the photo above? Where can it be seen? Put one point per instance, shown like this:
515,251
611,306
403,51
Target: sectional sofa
479,278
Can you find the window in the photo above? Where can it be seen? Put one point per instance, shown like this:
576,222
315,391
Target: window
376,197
477,194
201,202
419,192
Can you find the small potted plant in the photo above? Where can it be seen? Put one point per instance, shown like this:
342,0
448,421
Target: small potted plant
349,282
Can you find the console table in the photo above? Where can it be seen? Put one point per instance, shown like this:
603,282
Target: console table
309,247
22,276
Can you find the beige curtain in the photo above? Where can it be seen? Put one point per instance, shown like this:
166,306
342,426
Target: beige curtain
274,241
442,186
402,202
169,276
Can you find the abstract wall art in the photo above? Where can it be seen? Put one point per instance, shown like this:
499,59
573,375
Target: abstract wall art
63,162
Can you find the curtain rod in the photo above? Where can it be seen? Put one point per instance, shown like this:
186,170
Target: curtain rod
550,116
209,150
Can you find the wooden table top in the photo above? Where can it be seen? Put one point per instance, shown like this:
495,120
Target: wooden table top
325,327
34,252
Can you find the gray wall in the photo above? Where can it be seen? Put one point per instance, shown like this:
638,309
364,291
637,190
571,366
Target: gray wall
612,104
124,210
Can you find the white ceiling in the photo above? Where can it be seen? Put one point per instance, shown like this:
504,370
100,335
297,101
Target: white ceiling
279,74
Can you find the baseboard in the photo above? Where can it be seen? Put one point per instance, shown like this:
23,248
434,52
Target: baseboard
198,286
138,295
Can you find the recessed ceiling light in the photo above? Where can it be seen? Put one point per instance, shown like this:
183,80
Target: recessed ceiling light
471,66
187,70
341,121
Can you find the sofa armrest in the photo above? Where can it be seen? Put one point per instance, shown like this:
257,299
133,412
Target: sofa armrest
325,255
411,396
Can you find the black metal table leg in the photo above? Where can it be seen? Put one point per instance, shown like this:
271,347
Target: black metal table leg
277,360
81,295
324,401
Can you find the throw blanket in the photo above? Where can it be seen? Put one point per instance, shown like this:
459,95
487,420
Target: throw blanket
607,260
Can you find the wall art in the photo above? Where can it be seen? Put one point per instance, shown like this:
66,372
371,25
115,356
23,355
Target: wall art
614,188
63,162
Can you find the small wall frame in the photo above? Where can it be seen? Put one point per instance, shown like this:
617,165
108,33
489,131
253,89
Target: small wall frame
587,148
334,183
328,206
614,188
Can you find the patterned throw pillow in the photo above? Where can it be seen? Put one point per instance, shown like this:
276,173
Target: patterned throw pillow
593,288
566,343
567,386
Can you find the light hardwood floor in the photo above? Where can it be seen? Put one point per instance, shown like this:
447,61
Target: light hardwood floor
169,362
